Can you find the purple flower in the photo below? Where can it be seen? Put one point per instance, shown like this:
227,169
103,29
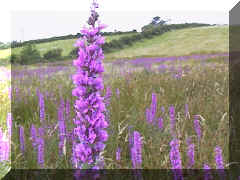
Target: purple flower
148,115
21,137
162,108
136,151
218,158
219,162
90,121
117,92
207,174
197,127
41,107
62,130
41,147
175,158
160,123
186,110
108,96
118,154
190,153
151,112
33,134
172,120
68,110
154,106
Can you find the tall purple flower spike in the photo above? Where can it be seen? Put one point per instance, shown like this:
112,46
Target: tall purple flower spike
175,159
136,150
90,121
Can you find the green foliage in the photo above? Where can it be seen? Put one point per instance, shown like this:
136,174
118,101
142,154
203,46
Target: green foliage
29,54
148,33
54,53
14,59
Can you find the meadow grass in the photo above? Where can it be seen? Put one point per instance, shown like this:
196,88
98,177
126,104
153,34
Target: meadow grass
66,45
200,40
177,43
204,89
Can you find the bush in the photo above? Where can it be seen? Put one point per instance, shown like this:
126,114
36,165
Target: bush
29,55
14,59
52,54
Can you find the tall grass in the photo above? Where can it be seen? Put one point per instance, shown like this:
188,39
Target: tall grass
204,88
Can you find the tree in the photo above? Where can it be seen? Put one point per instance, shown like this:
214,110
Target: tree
156,21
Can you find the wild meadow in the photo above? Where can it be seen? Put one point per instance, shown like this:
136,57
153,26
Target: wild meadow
161,112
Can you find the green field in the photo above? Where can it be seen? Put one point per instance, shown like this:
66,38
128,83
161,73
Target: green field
203,40
66,45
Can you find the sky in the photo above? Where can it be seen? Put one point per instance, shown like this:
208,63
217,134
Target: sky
27,19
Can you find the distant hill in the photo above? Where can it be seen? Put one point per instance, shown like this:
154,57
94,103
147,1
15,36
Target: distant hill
199,40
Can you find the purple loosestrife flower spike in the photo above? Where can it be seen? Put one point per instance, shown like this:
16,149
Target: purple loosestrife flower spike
186,110
172,120
117,92
197,127
190,153
118,154
21,137
68,111
207,174
41,107
41,147
160,123
136,151
162,108
108,96
153,106
33,132
175,158
90,110
61,126
219,162
148,115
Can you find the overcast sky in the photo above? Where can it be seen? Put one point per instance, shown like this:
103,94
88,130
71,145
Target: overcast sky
28,19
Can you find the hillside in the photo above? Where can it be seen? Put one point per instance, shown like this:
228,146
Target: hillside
66,45
200,40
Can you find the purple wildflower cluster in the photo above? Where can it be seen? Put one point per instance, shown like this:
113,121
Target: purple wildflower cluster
151,112
61,126
190,153
89,133
118,154
172,120
33,133
175,158
218,158
40,141
41,107
197,127
108,96
22,139
136,150
207,174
